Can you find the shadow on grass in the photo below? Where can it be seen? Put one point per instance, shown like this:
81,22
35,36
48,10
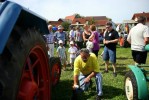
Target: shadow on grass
63,91
111,92
123,58
121,69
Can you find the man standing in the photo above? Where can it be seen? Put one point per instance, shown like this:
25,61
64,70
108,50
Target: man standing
138,37
50,41
72,34
60,34
110,41
79,38
86,66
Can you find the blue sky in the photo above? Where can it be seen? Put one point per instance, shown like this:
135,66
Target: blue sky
117,10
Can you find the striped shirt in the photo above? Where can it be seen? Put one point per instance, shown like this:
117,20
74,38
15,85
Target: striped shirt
49,37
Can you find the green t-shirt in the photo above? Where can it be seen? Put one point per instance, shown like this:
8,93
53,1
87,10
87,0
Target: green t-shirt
86,68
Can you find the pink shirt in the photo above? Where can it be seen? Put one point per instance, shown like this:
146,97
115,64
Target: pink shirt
95,41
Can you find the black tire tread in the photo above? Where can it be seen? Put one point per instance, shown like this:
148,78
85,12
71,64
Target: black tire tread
13,59
52,62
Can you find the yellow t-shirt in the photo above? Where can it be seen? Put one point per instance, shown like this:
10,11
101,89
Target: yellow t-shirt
86,68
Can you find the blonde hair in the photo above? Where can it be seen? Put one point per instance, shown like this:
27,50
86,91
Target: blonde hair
50,26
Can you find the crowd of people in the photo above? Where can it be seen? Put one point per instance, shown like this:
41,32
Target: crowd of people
84,47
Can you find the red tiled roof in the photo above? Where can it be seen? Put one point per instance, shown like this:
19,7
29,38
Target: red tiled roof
80,20
101,22
55,23
70,17
97,17
146,14
98,21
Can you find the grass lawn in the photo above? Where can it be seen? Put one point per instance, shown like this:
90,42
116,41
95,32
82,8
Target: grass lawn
113,87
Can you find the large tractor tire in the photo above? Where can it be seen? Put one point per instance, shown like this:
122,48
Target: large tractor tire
24,67
131,88
55,66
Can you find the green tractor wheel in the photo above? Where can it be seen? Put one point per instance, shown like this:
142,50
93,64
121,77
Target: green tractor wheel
131,88
136,87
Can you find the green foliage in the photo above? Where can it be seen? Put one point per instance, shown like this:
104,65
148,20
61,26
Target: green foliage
92,21
113,87
109,19
66,25
78,16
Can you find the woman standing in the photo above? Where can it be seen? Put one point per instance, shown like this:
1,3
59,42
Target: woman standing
86,34
94,38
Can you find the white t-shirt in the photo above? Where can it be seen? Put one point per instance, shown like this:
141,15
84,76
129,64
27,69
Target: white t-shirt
137,35
72,50
72,34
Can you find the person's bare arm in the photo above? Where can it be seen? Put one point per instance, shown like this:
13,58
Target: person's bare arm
84,36
75,81
110,41
113,41
129,41
58,54
87,79
91,37
129,38
146,40
103,41
66,54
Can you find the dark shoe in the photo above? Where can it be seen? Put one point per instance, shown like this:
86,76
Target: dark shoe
106,71
98,97
114,74
74,95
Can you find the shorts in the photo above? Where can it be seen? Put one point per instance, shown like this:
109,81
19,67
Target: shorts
72,60
63,61
139,57
109,55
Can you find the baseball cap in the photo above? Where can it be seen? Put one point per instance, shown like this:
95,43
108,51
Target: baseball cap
60,41
71,42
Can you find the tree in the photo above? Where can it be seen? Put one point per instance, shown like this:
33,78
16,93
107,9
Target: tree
109,19
66,25
92,21
78,16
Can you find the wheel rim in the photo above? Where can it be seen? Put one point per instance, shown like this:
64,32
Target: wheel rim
34,83
129,89
55,74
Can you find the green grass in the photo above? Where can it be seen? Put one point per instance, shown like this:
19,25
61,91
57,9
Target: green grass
113,87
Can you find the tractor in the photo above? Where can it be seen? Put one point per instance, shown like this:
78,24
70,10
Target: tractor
136,81
26,70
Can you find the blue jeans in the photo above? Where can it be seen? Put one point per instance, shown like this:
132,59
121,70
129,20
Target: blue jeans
84,86
109,55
